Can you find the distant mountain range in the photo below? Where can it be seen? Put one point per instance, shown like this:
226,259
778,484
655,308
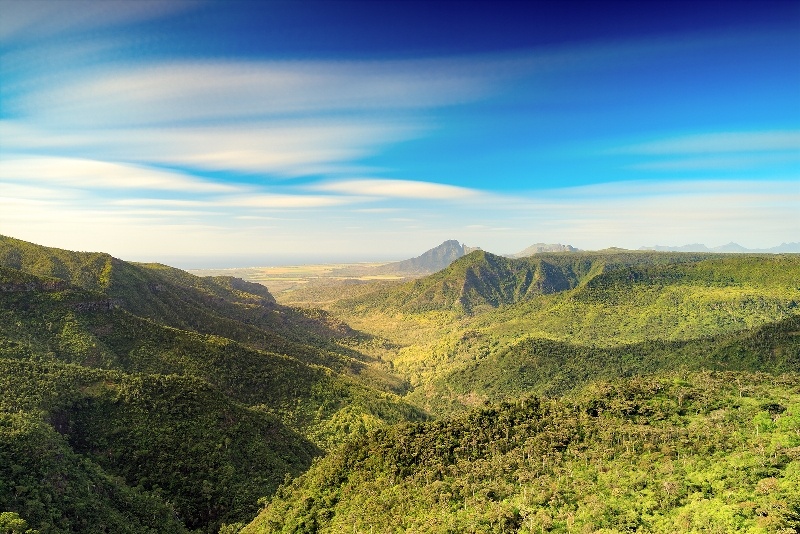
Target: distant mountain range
537,248
793,247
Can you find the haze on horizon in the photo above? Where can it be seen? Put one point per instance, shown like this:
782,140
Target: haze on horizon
376,130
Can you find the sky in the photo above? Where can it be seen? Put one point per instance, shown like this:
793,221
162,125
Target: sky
243,133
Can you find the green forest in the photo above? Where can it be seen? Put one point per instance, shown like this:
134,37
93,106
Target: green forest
610,391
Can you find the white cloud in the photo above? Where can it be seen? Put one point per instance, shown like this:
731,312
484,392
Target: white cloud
91,174
176,92
283,201
399,189
11,190
632,214
281,148
756,214
164,202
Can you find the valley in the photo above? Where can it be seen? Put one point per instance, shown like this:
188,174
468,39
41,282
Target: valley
458,391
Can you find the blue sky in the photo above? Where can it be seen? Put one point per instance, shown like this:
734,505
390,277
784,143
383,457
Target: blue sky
239,133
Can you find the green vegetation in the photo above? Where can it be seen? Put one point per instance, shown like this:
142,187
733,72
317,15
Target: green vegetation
489,328
569,392
692,453
184,399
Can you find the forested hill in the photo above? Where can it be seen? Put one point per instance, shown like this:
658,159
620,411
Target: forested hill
573,391
482,279
224,306
158,401
702,452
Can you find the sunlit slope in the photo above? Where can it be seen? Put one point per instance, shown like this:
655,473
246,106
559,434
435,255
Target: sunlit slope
603,299
73,325
481,279
547,367
191,421
682,452
224,306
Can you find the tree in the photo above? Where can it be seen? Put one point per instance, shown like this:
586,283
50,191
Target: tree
12,523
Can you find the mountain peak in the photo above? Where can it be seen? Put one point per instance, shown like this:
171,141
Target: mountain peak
430,261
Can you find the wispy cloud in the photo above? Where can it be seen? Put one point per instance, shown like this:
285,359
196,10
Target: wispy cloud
281,148
175,203
399,189
284,201
289,118
91,174
36,20
191,91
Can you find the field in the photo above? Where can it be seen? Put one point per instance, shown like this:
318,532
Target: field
287,278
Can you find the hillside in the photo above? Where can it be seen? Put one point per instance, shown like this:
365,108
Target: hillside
224,306
617,390
597,313
695,453
482,279
553,368
175,421
147,443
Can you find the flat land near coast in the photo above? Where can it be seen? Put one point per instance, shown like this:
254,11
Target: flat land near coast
287,278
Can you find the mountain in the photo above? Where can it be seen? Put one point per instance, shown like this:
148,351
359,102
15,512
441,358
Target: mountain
489,327
430,261
187,398
537,248
483,279
611,390
786,248
729,248
225,306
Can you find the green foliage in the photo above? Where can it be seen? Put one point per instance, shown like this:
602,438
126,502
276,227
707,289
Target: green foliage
550,322
552,368
174,438
141,398
221,306
57,490
12,523
197,424
648,454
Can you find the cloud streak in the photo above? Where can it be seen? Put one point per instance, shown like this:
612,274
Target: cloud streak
93,174
36,20
191,91
399,189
